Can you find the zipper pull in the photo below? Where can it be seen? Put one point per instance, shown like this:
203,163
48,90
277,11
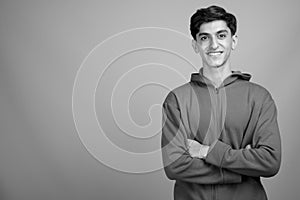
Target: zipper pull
217,90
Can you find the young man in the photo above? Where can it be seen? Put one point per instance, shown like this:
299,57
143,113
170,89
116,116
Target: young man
220,131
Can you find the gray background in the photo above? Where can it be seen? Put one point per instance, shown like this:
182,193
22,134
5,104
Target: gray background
42,45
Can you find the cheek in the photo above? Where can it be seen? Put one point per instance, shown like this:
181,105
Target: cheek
205,46
203,49
228,44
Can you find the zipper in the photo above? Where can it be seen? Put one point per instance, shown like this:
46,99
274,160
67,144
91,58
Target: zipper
213,192
217,90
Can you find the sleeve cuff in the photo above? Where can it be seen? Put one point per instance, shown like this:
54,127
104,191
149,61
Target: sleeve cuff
212,146
216,153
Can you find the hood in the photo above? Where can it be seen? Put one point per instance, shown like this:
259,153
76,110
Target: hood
200,78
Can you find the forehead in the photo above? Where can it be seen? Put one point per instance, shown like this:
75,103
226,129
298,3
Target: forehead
213,27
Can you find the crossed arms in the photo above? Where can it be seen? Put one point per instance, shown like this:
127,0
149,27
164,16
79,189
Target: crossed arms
188,160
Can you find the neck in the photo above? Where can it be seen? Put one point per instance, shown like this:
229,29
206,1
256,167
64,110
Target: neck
217,75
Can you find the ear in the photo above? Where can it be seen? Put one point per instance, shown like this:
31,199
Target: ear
234,42
195,46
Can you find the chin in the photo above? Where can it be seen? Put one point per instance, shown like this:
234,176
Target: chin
215,64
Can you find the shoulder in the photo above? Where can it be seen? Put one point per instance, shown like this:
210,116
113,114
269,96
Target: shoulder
179,93
259,93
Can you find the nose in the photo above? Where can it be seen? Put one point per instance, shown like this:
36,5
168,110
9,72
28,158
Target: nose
214,43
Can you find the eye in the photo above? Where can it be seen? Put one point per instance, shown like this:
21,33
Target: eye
222,35
203,38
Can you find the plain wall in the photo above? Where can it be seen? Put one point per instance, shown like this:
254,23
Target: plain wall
43,45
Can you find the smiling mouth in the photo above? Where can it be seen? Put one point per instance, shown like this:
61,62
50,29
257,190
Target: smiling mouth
214,53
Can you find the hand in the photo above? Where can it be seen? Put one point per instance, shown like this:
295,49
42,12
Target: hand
197,150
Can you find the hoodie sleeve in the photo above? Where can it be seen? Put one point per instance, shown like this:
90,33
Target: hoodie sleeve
264,158
178,164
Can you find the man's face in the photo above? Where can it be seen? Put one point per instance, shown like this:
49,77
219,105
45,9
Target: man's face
214,43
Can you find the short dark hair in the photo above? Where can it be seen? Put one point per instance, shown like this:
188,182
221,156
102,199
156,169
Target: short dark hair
209,14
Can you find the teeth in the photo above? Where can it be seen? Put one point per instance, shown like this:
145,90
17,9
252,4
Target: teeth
214,53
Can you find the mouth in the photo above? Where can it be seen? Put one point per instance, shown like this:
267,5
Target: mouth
214,53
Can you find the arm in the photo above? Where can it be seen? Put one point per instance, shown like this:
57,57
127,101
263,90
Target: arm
264,158
178,163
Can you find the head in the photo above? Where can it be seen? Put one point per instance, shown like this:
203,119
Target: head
214,35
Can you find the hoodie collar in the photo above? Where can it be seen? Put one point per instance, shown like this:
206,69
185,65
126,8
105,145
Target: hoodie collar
200,78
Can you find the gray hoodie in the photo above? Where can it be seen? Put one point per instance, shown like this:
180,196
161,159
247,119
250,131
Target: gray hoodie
227,118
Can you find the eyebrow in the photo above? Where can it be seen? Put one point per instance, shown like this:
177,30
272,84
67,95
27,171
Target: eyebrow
218,32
